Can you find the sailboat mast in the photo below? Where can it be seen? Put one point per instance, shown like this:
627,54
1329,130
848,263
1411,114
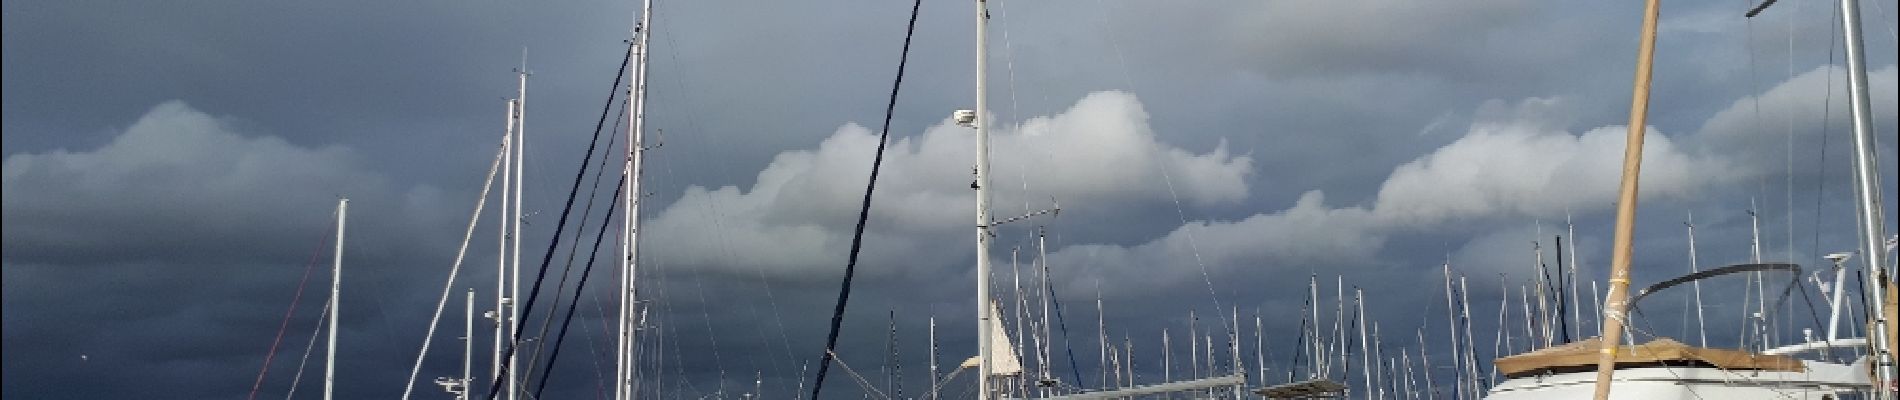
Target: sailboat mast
1365,351
982,202
933,359
1471,348
1167,357
1701,325
1576,313
514,235
501,257
336,286
1759,324
1194,351
630,224
1538,273
1048,336
1312,288
1451,322
1616,308
1259,348
1867,191
468,345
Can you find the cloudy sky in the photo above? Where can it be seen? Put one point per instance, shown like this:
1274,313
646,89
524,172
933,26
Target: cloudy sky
171,169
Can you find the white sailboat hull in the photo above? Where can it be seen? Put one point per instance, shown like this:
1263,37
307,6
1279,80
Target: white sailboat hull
1819,381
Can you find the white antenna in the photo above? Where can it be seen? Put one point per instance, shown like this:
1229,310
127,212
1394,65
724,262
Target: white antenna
336,286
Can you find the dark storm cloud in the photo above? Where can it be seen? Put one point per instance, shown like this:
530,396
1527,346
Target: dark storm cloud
161,240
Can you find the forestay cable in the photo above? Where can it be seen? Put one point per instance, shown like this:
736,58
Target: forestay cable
454,269
864,211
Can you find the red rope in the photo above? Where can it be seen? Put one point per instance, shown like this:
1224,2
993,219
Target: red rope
272,354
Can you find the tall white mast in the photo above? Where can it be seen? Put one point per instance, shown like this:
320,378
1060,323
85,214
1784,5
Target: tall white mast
1576,316
514,234
982,202
1048,337
1167,357
1451,322
336,286
1378,356
1761,289
1365,351
502,300
630,225
1194,345
933,359
1701,326
1101,338
1471,349
1312,289
1538,272
1867,191
468,344
1259,348
1502,343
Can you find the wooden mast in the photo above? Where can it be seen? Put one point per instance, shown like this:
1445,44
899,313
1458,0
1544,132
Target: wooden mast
1617,302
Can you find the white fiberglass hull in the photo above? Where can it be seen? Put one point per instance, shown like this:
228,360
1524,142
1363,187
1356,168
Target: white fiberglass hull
1819,381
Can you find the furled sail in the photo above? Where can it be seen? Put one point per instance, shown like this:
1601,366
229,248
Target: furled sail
1003,356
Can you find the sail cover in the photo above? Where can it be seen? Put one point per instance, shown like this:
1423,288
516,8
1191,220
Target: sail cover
1582,355
1003,355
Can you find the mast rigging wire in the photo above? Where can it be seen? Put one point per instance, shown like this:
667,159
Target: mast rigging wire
548,371
455,268
560,225
307,350
864,211
592,193
1061,323
294,299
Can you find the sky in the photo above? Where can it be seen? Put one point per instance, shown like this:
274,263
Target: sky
171,170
